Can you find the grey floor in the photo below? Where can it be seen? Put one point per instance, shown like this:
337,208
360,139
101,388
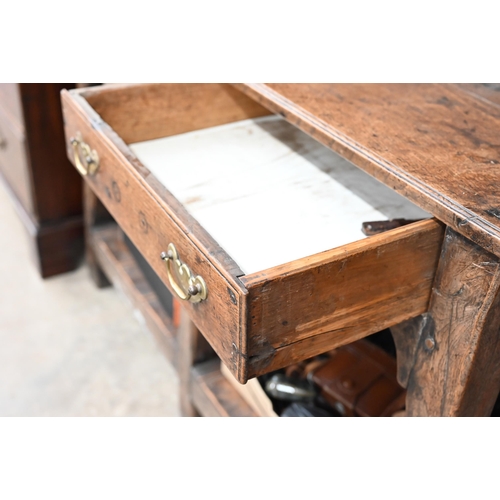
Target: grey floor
69,349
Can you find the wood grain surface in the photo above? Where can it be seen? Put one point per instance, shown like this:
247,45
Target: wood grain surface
307,307
143,112
214,396
152,218
436,144
453,364
193,349
95,215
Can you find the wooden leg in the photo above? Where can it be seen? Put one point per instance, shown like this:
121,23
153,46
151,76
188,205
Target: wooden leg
193,348
94,213
450,357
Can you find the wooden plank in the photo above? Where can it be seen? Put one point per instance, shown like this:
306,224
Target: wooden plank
453,366
152,219
437,145
94,215
193,349
299,310
118,264
214,396
142,112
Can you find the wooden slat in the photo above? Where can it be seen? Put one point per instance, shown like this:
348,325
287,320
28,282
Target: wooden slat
94,214
148,111
437,145
120,267
304,308
193,349
214,396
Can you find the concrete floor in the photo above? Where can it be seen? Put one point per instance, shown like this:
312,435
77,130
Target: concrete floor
70,349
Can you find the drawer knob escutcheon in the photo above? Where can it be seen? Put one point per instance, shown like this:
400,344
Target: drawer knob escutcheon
86,159
185,285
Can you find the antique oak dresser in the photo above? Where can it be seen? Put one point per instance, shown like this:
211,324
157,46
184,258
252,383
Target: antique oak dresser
246,202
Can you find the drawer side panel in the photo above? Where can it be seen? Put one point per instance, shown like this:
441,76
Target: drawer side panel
151,225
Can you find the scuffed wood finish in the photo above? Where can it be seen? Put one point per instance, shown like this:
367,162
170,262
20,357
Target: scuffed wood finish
406,337
214,396
455,368
149,111
120,267
345,294
152,219
193,349
437,145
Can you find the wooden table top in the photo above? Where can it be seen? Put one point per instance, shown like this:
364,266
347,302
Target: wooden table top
436,144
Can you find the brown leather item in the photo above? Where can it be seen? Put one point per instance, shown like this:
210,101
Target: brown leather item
360,380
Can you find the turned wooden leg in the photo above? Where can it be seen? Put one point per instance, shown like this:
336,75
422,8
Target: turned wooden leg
94,213
449,358
193,348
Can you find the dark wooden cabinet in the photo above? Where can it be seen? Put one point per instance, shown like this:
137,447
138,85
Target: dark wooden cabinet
46,191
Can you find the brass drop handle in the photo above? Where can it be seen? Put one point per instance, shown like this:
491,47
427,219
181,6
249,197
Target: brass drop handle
185,285
86,159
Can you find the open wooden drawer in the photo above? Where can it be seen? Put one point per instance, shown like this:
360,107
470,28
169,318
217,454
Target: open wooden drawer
260,211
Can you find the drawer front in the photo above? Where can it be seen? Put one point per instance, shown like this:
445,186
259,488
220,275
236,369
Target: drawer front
337,297
151,225
14,160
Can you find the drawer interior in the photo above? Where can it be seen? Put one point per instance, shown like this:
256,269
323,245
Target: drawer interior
270,218
267,192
